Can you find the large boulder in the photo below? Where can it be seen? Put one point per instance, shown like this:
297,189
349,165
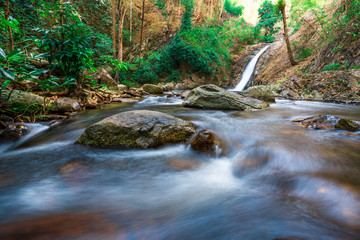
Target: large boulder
22,98
137,129
153,89
103,77
63,105
214,97
261,92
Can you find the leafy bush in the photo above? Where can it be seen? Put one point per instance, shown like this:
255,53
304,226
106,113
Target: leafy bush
16,67
231,8
268,18
303,53
337,66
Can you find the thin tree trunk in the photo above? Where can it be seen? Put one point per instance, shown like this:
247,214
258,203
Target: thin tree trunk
114,27
142,27
287,40
122,13
221,7
130,19
121,27
7,16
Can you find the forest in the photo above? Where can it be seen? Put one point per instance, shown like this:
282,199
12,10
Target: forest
180,119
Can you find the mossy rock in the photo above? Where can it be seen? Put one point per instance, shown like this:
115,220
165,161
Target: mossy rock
347,124
153,89
260,92
137,129
213,97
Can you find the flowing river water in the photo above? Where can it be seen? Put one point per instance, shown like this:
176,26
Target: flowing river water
278,181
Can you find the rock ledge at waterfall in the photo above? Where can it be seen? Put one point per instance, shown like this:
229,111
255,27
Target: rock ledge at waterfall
137,129
214,97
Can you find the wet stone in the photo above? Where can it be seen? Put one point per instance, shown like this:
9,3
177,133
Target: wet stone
13,132
183,164
327,122
56,227
208,142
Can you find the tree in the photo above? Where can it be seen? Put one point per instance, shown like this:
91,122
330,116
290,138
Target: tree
113,5
232,9
7,16
268,18
142,26
281,6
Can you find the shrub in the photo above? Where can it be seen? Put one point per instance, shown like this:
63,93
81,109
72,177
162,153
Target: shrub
231,8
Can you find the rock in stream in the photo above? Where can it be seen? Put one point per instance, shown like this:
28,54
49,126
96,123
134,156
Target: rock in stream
213,97
137,129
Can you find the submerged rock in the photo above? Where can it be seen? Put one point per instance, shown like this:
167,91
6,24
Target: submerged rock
347,124
63,105
13,132
251,161
137,129
153,89
213,97
183,164
327,122
207,142
60,226
261,92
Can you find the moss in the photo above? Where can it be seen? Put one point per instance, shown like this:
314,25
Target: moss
347,124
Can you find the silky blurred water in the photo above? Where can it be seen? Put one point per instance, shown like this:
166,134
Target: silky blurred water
277,181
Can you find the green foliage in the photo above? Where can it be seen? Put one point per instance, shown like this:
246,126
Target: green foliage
269,16
202,50
161,6
16,67
337,66
303,52
280,4
186,22
239,33
231,8
66,45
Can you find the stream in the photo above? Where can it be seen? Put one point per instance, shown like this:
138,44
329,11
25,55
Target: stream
278,181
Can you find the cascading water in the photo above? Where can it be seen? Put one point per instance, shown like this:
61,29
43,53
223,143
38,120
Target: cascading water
249,70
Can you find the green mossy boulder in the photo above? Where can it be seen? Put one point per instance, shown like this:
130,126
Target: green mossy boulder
153,89
213,97
347,124
260,92
137,129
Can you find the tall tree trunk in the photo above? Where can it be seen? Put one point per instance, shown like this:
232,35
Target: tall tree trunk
7,16
114,26
222,2
142,27
130,19
287,40
122,13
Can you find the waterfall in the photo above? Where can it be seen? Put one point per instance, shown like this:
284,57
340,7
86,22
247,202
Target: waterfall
248,72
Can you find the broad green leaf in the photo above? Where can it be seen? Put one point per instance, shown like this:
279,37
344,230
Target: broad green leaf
4,85
2,53
8,74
